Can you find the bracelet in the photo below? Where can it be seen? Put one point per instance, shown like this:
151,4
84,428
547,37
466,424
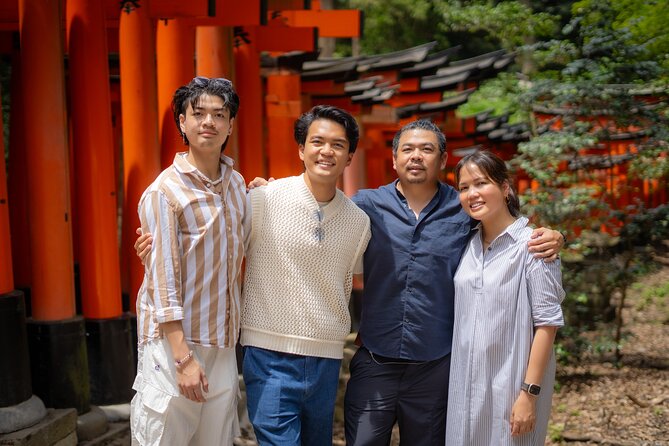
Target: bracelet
181,362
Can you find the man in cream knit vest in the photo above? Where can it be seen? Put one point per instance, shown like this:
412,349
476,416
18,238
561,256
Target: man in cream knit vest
306,241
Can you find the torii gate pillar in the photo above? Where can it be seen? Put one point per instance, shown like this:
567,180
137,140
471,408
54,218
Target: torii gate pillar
56,336
141,151
108,332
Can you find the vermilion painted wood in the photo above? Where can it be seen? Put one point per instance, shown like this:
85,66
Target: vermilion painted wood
92,139
249,122
141,151
283,107
17,182
355,175
326,87
215,58
330,23
213,48
46,146
286,38
230,13
6,272
175,57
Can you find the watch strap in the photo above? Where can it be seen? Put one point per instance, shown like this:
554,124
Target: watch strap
532,389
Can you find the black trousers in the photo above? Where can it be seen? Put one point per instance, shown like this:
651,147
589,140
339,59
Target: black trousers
382,391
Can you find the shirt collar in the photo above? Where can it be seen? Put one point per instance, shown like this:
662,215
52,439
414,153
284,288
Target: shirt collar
430,205
515,229
183,166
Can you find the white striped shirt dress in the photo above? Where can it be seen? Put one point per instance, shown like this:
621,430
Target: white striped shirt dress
501,295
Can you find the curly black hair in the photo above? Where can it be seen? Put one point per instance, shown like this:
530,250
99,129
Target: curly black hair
190,95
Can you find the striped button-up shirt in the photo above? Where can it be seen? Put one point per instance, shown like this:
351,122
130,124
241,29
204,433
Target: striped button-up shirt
193,273
501,295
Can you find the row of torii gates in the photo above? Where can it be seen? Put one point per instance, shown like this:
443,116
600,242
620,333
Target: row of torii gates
91,127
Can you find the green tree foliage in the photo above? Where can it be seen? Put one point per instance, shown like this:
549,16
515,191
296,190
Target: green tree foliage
499,95
392,25
478,26
645,23
601,82
509,22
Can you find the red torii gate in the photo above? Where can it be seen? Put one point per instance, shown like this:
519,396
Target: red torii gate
72,184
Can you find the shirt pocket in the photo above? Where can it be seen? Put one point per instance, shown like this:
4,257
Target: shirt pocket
446,241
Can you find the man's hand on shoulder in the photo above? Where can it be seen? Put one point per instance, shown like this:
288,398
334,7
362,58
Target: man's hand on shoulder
143,245
257,182
546,244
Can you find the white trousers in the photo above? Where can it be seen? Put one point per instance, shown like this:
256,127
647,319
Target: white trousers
160,415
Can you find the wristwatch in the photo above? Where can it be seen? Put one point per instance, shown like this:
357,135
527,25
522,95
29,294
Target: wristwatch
532,389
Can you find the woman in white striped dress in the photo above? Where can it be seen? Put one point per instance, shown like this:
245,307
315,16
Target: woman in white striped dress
507,311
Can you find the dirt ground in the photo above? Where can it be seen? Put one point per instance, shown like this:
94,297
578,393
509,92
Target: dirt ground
597,403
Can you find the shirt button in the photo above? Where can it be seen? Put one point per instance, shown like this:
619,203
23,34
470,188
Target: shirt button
208,184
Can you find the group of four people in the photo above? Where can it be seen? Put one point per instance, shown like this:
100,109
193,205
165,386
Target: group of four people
488,323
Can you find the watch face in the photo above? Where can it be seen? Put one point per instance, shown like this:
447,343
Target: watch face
533,389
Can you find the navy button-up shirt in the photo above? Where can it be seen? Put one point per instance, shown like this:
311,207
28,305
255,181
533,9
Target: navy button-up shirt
407,305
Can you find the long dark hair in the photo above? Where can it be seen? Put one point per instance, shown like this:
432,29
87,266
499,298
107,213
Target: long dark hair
495,169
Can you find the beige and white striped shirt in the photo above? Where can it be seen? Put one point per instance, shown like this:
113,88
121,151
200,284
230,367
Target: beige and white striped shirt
193,273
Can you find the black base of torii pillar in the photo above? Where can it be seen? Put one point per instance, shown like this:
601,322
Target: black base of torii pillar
19,408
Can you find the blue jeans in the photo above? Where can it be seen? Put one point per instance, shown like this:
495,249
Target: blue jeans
291,398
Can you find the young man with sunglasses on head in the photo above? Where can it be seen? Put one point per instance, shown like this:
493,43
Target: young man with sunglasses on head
188,307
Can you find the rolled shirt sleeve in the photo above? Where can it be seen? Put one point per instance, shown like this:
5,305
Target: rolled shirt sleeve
544,285
162,269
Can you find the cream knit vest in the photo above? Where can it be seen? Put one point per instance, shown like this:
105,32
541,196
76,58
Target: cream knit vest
299,270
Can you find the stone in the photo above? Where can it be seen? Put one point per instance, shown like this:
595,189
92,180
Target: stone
57,425
22,415
117,412
91,424
70,440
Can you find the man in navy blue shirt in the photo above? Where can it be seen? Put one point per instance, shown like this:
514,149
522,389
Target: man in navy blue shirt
419,231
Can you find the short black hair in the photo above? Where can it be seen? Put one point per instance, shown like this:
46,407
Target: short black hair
493,167
190,95
331,113
421,124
